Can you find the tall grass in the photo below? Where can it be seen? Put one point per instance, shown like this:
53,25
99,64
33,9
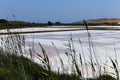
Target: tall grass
13,62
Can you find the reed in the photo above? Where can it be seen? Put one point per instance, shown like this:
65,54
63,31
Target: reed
15,66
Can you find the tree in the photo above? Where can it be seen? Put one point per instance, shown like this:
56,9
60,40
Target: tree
50,23
57,23
3,21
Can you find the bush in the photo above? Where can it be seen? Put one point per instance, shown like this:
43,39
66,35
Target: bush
3,21
50,23
57,23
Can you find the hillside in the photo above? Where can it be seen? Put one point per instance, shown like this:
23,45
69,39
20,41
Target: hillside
5,24
101,21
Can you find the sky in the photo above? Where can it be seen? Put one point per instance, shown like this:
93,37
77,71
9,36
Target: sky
65,11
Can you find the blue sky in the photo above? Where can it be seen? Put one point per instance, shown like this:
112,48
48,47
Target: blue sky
59,10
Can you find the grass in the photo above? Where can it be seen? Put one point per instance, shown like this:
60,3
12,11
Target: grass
15,66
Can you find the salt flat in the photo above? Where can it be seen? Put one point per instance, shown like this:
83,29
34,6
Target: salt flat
105,42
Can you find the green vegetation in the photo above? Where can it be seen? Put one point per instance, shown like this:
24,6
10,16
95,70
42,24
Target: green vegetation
3,21
5,24
13,67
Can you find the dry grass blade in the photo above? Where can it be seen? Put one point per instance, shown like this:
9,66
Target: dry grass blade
59,56
115,68
45,58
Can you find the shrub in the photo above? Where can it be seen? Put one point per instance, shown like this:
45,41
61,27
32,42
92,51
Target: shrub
3,21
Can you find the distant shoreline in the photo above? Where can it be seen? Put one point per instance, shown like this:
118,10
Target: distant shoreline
56,29
5,24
